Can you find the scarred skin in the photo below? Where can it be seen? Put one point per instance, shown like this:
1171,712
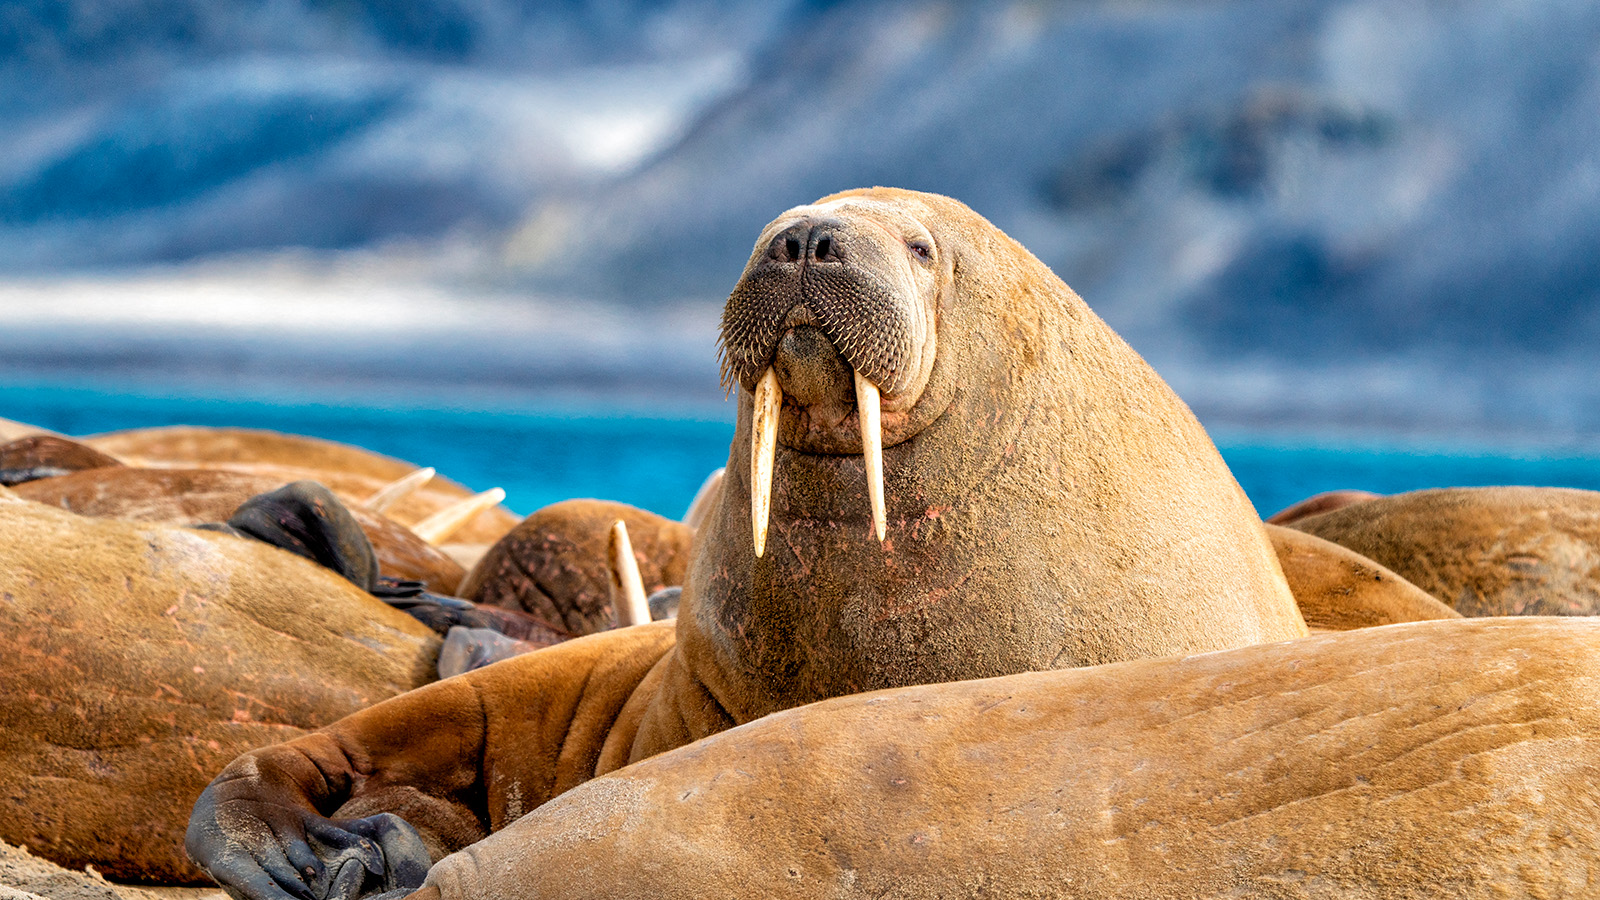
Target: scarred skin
1050,503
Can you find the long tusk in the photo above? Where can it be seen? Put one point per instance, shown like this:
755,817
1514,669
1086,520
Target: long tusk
763,444
700,507
870,407
634,608
398,490
437,528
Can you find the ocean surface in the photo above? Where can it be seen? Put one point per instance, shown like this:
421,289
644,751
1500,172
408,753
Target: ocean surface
657,460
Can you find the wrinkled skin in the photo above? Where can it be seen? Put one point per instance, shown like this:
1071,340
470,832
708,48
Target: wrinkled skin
1434,759
1050,503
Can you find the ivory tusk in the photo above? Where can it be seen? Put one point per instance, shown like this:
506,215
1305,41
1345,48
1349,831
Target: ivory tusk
870,407
768,403
437,528
634,608
700,507
398,490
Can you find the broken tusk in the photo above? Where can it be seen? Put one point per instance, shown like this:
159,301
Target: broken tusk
633,608
768,404
870,408
700,507
398,490
437,528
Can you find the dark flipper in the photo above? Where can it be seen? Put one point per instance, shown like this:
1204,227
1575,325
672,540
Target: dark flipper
306,518
262,851
442,613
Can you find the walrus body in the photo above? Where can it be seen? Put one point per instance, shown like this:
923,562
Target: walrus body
555,564
348,471
1048,502
1423,760
177,496
1338,589
1483,551
139,659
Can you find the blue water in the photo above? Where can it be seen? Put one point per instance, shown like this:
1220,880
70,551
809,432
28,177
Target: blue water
655,461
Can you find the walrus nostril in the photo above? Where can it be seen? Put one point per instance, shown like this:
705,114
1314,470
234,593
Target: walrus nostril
824,248
792,244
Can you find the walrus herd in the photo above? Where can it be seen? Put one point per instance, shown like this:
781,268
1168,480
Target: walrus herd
976,610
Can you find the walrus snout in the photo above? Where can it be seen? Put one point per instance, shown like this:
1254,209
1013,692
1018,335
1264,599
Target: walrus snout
809,241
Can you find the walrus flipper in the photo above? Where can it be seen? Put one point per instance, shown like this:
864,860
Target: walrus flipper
289,852
362,807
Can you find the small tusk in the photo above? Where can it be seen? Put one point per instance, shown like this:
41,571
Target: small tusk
870,407
634,608
398,490
700,507
768,404
437,528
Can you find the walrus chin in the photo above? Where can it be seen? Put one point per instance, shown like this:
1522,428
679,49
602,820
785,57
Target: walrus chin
836,308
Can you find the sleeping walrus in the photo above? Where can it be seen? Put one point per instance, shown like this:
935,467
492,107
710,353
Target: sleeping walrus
945,467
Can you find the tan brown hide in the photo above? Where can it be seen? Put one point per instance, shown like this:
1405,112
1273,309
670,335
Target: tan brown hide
1438,759
1050,501
140,659
1338,589
1051,504
556,564
468,755
1484,551
346,470
193,496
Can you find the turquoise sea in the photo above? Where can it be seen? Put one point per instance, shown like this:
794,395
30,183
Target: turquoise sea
657,460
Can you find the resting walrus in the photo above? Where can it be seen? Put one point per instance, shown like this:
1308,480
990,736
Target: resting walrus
1437,759
1045,501
138,659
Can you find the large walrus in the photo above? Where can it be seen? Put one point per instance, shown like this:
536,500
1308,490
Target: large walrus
1438,759
136,660
945,467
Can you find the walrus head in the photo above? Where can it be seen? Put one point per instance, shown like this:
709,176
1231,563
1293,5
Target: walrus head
1040,497
833,331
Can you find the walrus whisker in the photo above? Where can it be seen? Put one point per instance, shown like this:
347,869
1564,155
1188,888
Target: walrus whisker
438,528
869,407
767,404
633,608
398,490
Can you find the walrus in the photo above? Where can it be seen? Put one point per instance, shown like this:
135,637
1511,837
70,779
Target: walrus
139,659
1338,589
1483,551
555,563
1446,758
184,496
347,470
11,430
1327,501
1043,501
46,456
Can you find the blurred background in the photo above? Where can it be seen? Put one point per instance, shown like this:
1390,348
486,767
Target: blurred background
1360,237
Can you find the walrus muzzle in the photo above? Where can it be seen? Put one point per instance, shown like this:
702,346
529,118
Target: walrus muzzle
852,282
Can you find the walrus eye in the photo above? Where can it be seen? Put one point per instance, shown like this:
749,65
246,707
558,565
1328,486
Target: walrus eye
921,249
